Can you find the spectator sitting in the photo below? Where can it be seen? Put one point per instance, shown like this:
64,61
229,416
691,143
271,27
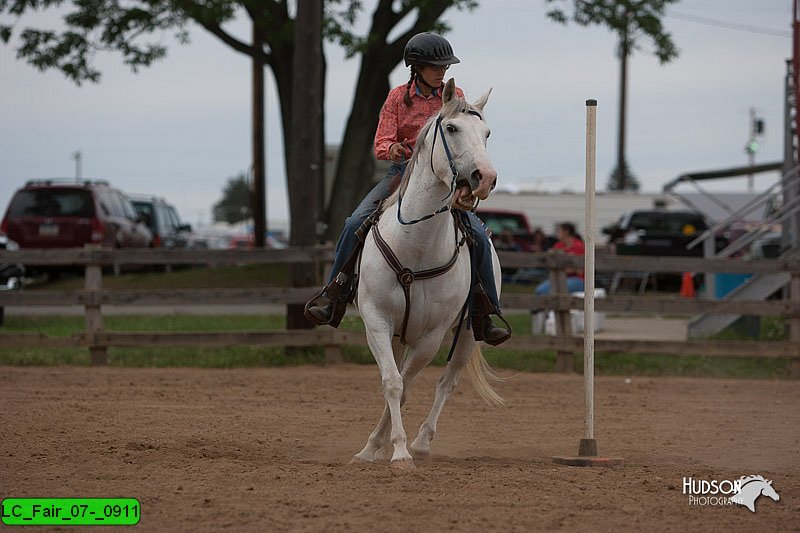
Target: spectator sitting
538,241
569,242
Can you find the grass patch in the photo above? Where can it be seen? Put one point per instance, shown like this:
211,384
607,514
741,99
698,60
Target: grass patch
256,356
769,328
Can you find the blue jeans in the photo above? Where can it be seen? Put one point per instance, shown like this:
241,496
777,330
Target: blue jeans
574,284
348,240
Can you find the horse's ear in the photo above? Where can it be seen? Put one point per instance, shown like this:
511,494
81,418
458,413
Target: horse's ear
481,102
770,482
449,90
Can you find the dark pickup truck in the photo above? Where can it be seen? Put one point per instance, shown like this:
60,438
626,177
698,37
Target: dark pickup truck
658,232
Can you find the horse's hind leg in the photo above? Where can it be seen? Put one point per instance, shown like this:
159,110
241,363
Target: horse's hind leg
445,385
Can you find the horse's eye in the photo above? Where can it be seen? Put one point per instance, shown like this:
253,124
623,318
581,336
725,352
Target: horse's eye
451,128
488,133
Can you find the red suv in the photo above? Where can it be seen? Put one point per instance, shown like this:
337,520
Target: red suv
67,214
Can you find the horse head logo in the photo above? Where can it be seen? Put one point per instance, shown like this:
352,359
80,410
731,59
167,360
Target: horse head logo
751,487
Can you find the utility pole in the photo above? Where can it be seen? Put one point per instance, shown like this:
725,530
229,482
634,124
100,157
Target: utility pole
756,127
259,192
623,87
78,170
306,148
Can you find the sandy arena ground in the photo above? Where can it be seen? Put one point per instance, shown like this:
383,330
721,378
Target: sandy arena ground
267,449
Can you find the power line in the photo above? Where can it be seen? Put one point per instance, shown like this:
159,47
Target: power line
730,25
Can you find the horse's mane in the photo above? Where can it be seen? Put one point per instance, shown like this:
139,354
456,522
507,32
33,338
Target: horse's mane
747,479
450,109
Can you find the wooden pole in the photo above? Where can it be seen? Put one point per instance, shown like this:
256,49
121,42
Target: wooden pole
93,283
588,446
564,356
794,322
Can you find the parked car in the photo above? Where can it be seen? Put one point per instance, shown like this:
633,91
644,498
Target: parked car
11,274
56,213
246,241
658,232
500,221
164,223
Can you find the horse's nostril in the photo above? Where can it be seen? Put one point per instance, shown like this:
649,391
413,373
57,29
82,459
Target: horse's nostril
477,176
494,183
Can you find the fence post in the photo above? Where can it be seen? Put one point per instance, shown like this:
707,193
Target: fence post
558,281
794,323
93,284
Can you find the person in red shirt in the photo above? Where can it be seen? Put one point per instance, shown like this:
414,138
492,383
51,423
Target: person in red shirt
569,243
405,111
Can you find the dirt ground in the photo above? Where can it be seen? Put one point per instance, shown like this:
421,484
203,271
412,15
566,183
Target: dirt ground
268,449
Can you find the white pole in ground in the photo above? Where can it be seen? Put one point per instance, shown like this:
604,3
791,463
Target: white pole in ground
587,448
588,445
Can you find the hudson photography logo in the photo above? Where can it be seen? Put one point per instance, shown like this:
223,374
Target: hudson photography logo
743,491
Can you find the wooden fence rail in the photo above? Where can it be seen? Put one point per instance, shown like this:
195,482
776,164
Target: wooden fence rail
97,339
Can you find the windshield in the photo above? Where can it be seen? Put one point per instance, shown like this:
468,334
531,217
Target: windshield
52,203
498,223
666,222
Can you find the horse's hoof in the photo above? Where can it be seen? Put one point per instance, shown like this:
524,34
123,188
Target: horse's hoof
403,464
356,460
420,454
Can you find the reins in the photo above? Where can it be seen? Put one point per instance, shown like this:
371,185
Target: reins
406,276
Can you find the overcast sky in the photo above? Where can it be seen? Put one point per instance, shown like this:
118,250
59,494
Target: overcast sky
182,127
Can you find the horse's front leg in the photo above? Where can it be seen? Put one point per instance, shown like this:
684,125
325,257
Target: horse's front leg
378,442
380,342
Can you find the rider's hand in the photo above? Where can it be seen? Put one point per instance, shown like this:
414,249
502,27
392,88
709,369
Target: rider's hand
397,152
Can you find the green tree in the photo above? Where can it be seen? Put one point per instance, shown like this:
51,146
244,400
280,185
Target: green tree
235,203
634,21
134,29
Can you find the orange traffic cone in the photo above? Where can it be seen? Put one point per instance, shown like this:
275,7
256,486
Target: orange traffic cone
687,286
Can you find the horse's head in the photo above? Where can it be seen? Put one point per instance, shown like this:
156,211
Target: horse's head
767,490
463,128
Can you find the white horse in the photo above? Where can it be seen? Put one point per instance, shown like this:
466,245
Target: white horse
450,167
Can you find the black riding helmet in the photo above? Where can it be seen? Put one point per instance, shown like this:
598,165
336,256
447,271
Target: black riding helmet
429,48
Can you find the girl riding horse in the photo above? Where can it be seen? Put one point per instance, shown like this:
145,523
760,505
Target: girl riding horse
404,113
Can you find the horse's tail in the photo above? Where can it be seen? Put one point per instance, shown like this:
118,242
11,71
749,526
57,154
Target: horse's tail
479,373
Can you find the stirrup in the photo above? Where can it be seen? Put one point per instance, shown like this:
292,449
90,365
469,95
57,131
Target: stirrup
335,292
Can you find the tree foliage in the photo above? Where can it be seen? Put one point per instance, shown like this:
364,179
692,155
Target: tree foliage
135,29
623,180
235,203
633,21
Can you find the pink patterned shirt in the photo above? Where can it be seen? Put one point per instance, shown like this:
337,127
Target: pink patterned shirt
398,122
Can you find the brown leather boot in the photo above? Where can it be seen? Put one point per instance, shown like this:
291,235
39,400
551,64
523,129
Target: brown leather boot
482,327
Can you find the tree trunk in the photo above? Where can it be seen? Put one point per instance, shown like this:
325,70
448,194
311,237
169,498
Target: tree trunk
282,71
305,167
355,166
259,190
